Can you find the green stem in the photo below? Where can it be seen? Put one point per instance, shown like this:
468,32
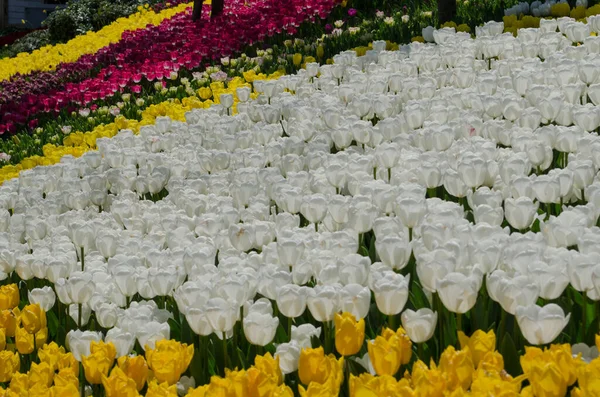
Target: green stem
82,260
289,328
420,352
79,314
225,358
458,322
584,315
392,322
502,326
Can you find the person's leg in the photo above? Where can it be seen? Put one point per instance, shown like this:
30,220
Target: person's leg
197,10
217,8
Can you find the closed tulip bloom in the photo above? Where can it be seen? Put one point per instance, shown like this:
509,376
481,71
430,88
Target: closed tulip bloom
9,296
480,343
322,302
221,314
156,389
391,292
79,342
2,339
99,362
152,333
520,212
547,380
349,334
122,340
169,360
419,325
315,366
136,368
44,296
541,325
393,251
51,354
291,300
388,351
118,384
458,366
355,299
33,318
25,341
304,333
41,374
10,364
458,292
288,354
260,328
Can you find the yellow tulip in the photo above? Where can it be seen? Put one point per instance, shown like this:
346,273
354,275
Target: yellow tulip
479,344
8,321
66,377
532,354
9,296
368,385
315,366
19,384
563,357
598,341
388,351
68,361
99,362
118,384
428,382
200,391
50,354
2,339
297,59
42,374
135,368
9,364
33,318
349,334
169,359
546,380
314,389
588,378
161,390
25,341
269,365
68,390
458,367
205,93
492,362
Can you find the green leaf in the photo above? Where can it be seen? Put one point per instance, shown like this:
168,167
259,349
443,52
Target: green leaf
590,335
510,355
52,323
418,297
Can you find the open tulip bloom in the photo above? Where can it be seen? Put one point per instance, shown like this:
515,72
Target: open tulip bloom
449,187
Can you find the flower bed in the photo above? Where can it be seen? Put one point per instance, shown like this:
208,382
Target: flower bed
154,54
363,187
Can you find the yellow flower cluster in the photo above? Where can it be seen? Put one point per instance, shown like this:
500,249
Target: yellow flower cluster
322,374
264,378
50,56
77,143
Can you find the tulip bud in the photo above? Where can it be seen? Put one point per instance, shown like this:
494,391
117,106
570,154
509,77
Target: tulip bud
45,297
391,292
541,325
419,325
349,334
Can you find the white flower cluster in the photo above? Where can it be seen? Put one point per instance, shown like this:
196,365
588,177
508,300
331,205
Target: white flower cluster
276,199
